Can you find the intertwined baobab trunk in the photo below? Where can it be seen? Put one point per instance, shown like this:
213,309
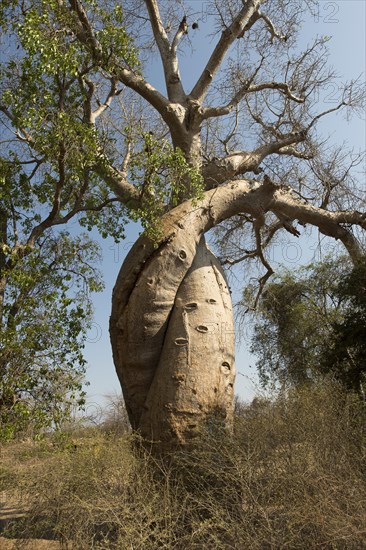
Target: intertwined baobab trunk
172,325
173,338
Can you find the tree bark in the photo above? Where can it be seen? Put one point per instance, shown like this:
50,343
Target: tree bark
194,378
174,346
150,300
172,336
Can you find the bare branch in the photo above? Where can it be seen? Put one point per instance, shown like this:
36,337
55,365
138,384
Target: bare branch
231,134
257,198
38,163
271,232
271,28
220,170
51,219
112,93
249,254
247,89
219,111
272,129
331,224
286,223
85,32
148,92
259,15
116,179
137,83
258,224
282,86
182,30
168,53
126,160
293,152
21,133
96,208
88,88
160,35
324,113
228,36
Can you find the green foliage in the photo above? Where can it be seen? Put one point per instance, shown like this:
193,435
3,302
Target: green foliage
47,177
46,79
46,312
47,31
161,173
50,82
345,355
306,318
114,39
45,309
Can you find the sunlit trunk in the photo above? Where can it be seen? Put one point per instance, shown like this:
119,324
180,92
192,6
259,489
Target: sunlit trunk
173,340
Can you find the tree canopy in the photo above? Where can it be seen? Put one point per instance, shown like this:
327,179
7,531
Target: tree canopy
45,311
310,324
97,141
87,137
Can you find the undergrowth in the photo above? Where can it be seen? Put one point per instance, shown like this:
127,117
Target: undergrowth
292,476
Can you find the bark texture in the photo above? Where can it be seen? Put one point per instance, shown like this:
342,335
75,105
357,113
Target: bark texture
194,378
173,337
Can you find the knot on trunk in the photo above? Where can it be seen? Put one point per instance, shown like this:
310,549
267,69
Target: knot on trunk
173,343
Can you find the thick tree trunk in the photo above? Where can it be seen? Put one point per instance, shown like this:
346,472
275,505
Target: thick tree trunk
173,338
193,381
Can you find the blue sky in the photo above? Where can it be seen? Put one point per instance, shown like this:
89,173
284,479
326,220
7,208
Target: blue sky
344,21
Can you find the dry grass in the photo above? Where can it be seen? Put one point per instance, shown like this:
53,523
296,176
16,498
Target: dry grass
292,477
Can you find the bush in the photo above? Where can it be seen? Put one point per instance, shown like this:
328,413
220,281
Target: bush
291,477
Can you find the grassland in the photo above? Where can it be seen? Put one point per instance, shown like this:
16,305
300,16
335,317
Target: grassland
292,476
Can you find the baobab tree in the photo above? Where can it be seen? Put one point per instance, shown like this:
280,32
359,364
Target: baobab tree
240,147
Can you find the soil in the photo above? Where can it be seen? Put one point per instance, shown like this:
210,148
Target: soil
11,510
34,544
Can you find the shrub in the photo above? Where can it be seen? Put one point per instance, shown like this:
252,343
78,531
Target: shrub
290,477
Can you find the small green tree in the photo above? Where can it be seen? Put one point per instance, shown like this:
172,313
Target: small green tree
311,323
46,179
45,311
345,356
